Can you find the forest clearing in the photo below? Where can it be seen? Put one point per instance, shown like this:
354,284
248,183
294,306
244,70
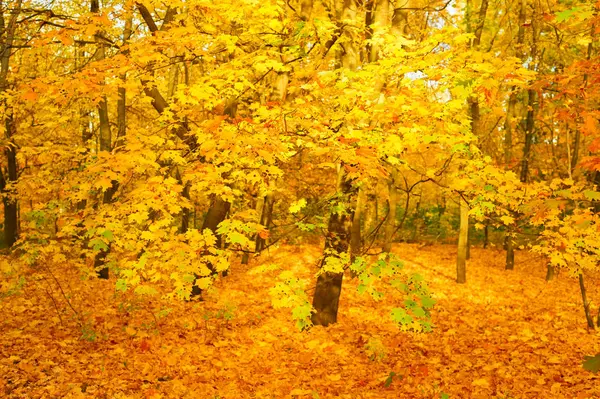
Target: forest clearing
300,199
505,335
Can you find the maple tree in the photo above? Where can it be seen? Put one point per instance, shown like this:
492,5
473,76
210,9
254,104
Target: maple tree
150,147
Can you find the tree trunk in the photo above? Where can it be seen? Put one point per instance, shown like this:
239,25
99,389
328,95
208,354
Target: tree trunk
510,252
586,304
461,258
216,214
11,207
390,221
355,237
468,254
11,210
266,219
104,139
550,272
486,237
329,285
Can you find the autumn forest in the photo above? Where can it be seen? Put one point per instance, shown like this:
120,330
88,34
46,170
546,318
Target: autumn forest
300,199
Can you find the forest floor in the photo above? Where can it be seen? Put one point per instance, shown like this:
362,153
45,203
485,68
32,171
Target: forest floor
502,335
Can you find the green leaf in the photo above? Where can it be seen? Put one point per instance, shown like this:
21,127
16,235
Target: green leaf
427,302
108,235
121,285
400,316
419,312
566,14
444,396
591,195
98,244
592,363
295,207
237,238
389,380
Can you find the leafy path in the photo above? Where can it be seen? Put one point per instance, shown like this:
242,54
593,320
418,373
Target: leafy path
504,335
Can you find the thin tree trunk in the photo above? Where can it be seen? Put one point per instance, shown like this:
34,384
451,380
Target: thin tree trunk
550,272
510,252
586,304
266,219
104,139
486,236
355,237
390,222
461,258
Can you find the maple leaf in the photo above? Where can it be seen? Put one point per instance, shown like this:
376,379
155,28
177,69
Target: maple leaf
592,363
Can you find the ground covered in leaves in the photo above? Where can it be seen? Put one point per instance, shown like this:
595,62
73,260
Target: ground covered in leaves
503,334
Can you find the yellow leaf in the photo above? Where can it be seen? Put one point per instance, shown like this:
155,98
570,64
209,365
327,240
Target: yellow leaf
298,392
103,183
481,382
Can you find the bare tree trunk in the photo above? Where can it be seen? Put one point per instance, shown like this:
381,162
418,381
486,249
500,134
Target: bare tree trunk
216,214
329,284
390,221
9,177
486,237
104,139
550,272
355,237
586,304
11,210
461,258
510,252
266,219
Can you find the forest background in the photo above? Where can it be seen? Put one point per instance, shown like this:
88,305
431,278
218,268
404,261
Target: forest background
151,148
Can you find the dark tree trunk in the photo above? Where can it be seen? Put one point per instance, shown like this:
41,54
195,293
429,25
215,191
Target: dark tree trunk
215,215
550,272
510,253
486,238
185,213
99,262
461,257
11,210
586,304
329,285
266,219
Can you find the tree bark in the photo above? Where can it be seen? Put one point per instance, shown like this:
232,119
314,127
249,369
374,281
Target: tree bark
104,139
461,258
550,272
510,252
216,214
11,207
486,236
390,221
355,237
586,304
329,285
266,219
